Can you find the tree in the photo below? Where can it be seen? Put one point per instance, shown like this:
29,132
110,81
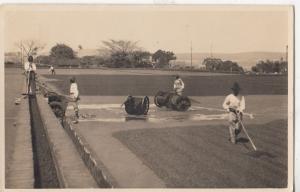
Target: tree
216,64
140,59
91,61
29,47
254,69
162,58
119,59
118,46
118,52
212,64
123,53
267,66
43,59
62,51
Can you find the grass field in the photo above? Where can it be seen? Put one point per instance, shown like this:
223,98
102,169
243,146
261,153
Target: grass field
114,85
201,156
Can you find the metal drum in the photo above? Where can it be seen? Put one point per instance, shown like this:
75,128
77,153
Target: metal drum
137,105
172,100
161,98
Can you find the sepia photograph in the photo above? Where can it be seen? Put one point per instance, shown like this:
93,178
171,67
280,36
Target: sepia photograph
144,96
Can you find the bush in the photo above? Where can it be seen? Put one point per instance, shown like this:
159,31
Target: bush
91,62
270,66
162,58
218,65
65,63
43,59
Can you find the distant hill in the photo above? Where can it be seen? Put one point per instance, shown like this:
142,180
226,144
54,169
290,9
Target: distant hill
245,59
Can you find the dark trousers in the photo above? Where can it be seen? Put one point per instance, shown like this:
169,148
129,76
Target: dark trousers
31,83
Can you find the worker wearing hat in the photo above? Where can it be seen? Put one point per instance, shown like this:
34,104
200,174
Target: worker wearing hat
178,85
235,105
74,94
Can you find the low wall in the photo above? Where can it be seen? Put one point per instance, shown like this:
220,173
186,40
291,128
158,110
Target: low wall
49,121
54,129
103,179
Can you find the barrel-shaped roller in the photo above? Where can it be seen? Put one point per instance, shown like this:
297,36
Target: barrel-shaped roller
172,100
137,105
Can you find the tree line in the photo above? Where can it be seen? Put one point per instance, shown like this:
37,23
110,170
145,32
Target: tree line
218,65
113,54
128,54
267,66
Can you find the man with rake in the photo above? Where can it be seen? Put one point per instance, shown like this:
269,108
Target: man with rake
235,105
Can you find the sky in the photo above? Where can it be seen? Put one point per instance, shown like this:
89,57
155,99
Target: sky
218,29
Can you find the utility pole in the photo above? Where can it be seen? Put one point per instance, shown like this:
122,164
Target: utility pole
191,54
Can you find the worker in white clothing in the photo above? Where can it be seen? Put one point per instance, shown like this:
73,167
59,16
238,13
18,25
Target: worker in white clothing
74,94
178,85
30,72
52,70
235,105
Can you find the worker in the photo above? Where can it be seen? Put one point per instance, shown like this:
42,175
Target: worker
52,70
178,85
235,105
74,95
30,72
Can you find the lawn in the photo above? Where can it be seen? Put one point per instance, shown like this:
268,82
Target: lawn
202,156
115,85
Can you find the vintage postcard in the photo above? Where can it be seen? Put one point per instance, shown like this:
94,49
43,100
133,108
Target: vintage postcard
140,96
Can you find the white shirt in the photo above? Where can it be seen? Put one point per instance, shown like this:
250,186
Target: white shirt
51,68
29,67
178,84
74,90
235,102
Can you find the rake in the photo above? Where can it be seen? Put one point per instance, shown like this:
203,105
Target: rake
244,129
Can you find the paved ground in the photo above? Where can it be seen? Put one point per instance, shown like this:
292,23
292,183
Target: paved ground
19,169
13,88
184,149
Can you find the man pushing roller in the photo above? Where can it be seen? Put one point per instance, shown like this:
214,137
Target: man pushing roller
178,85
235,105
